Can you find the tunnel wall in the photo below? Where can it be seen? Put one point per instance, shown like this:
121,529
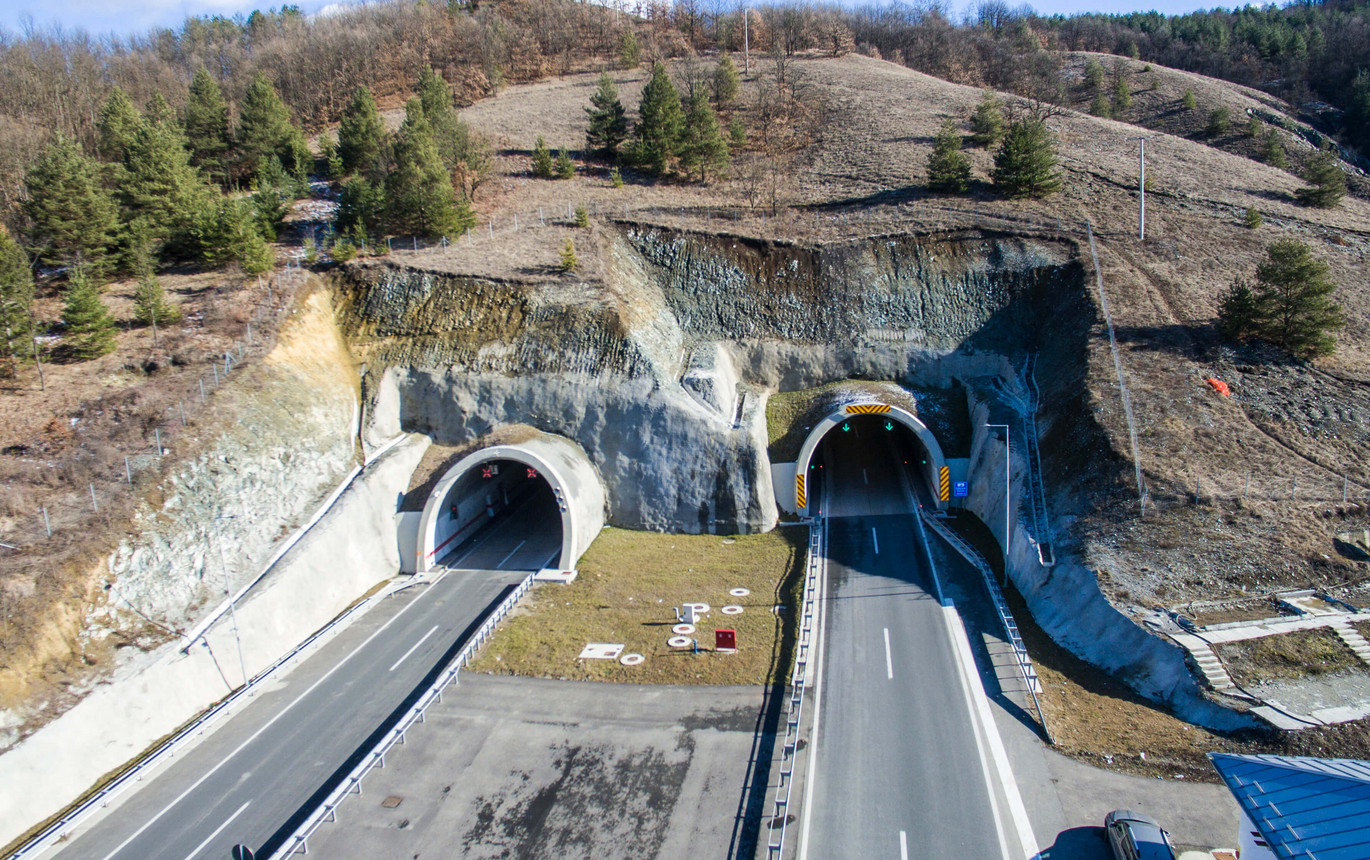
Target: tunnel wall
561,462
935,458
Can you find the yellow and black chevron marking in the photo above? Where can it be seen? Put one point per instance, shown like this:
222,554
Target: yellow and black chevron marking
944,485
867,408
799,497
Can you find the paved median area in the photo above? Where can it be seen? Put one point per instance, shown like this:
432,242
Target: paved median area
526,767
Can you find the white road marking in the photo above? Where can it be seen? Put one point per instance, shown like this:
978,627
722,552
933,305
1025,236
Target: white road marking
413,649
154,819
210,838
875,537
500,566
903,846
889,661
1017,810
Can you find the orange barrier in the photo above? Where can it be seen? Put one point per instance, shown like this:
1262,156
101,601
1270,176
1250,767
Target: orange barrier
1219,386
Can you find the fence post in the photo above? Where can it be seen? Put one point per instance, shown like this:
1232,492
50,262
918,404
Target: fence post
1247,488
541,220
158,431
47,525
201,380
128,473
180,404
492,228
1345,485
94,504
516,223
388,245
215,368
416,242
1294,490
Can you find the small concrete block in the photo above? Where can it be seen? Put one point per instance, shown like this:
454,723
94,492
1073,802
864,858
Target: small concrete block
601,651
392,802
547,574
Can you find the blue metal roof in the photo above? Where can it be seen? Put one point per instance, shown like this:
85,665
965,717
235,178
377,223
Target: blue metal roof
1305,808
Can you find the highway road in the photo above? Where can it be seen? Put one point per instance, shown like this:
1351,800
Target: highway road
259,773
527,537
897,771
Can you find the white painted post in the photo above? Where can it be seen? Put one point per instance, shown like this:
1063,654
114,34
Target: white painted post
128,473
158,431
201,380
95,505
180,404
47,525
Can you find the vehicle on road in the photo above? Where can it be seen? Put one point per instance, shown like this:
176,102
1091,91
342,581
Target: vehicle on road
1134,836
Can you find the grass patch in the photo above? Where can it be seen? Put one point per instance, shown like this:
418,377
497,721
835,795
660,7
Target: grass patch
1300,654
628,587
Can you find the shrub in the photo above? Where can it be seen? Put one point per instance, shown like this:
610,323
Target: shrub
150,305
1094,74
1253,218
582,216
1218,122
1327,184
569,260
1188,100
615,178
565,168
542,159
948,167
1272,150
1026,164
987,123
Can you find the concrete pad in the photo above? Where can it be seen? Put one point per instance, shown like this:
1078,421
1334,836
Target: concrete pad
520,767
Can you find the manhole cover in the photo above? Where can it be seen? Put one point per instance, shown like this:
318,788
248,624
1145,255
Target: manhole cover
392,801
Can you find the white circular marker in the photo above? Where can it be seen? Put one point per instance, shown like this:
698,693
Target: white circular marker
699,608
679,642
740,592
683,629
732,610
631,659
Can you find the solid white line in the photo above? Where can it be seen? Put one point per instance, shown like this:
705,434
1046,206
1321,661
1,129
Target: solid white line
875,538
154,819
889,661
811,775
201,846
413,649
500,566
903,846
963,670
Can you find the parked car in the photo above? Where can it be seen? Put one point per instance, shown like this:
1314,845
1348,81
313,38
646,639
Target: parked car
1134,836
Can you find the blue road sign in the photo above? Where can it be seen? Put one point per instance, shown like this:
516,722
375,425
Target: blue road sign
960,489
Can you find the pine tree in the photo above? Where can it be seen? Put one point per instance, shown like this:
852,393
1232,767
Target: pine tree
228,232
361,134
566,169
361,205
702,147
987,123
119,122
465,217
608,120
1252,220
16,304
1101,106
582,216
150,304
157,110
542,159
1239,313
264,129
948,167
660,122
1025,165
569,260
464,152
1294,297
1122,95
726,81
272,193
162,186
1327,184
1094,74
629,53
1188,100
1219,121
418,194
73,219
207,127
89,328
1272,150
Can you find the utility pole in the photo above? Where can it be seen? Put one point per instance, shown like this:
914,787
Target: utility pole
1141,185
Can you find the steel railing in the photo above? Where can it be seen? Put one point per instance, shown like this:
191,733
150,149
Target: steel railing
1020,652
799,682
328,810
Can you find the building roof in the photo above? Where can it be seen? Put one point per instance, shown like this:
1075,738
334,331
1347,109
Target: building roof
1305,808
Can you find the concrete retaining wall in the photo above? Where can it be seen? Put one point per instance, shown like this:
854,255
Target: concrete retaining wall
350,550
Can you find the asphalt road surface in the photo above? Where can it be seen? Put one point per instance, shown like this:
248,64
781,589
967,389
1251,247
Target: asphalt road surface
898,771
527,537
253,779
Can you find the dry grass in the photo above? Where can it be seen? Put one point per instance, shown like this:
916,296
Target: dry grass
1289,655
628,585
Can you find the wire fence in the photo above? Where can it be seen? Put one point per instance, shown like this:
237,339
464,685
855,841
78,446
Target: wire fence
97,461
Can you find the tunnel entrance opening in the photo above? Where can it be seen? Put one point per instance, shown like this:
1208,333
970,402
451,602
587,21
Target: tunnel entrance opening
496,514
868,465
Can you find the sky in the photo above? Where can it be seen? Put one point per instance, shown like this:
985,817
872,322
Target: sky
126,17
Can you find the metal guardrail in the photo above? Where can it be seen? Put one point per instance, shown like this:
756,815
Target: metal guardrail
62,827
298,842
1020,652
813,575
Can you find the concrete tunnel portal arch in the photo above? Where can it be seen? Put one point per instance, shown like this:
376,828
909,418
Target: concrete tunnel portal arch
561,463
936,461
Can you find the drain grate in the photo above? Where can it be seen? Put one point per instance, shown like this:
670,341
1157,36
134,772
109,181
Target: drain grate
392,802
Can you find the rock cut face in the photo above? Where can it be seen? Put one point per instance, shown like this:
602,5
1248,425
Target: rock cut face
661,370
